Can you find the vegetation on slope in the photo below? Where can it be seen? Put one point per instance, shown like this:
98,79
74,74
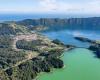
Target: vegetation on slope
29,55
12,29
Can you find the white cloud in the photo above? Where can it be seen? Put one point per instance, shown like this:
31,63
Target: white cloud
57,6
47,5
90,7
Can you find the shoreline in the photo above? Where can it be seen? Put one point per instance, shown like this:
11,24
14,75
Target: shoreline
39,74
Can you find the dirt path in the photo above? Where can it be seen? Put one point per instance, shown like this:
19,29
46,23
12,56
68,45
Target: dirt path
28,57
30,54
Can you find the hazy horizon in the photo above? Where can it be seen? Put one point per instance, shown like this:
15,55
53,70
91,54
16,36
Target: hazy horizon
17,17
73,7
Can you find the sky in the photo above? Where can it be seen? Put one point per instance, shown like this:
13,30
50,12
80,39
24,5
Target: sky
50,6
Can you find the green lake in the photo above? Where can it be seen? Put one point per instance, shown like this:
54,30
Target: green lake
80,64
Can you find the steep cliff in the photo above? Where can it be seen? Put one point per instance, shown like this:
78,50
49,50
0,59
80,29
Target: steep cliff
92,23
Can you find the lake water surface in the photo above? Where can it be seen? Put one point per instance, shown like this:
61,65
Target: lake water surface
80,63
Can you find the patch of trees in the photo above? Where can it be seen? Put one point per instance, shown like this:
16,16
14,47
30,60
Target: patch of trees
12,29
6,29
30,69
56,41
5,41
22,72
9,57
28,45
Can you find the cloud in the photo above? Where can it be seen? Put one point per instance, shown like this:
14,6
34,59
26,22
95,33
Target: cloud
54,6
48,5
59,6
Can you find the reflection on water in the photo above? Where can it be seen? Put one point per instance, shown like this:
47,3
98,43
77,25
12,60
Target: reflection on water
67,36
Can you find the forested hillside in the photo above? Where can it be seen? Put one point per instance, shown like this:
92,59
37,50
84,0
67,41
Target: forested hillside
24,54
